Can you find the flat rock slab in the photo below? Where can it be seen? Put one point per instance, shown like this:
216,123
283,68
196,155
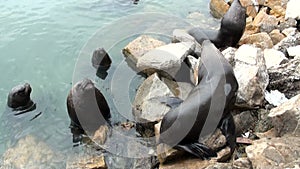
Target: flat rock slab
166,58
141,45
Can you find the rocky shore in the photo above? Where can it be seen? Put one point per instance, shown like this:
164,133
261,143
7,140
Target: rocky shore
266,65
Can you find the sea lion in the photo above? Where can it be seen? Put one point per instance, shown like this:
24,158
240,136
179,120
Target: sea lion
19,98
232,28
87,107
184,125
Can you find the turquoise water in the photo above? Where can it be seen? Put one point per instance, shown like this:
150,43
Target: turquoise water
40,42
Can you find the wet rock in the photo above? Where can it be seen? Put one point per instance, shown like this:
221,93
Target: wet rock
242,163
146,106
250,7
274,57
251,73
100,135
28,153
87,161
260,40
244,121
218,8
229,54
265,22
286,78
275,152
286,117
292,9
101,59
275,97
198,19
294,51
141,45
292,39
276,36
166,59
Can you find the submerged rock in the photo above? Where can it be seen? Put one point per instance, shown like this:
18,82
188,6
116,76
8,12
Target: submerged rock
101,59
275,152
87,160
29,153
251,73
286,117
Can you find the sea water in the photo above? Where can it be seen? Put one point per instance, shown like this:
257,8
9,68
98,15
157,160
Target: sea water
41,43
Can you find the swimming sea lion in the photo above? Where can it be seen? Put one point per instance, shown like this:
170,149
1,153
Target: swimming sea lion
19,98
184,125
232,28
87,107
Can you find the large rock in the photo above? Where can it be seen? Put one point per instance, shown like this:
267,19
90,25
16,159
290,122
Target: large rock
166,59
294,51
261,40
276,36
251,9
292,39
147,106
286,117
275,153
180,35
28,153
141,45
292,9
265,22
286,78
251,73
218,8
274,57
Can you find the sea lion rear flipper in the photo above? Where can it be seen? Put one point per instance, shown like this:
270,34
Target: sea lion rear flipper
198,149
172,102
227,127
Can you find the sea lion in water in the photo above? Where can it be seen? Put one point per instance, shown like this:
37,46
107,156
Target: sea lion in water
184,124
87,107
232,28
19,98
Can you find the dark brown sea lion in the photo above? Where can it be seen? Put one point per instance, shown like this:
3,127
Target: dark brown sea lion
87,107
206,107
232,28
19,98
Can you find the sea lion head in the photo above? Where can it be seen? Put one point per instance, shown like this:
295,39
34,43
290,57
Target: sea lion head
19,97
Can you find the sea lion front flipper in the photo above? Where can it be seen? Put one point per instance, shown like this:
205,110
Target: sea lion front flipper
172,102
227,127
197,149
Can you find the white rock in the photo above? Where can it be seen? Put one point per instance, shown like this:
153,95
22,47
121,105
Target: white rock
251,73
294,51
273,57
166,58
292,9
146,106
275,97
